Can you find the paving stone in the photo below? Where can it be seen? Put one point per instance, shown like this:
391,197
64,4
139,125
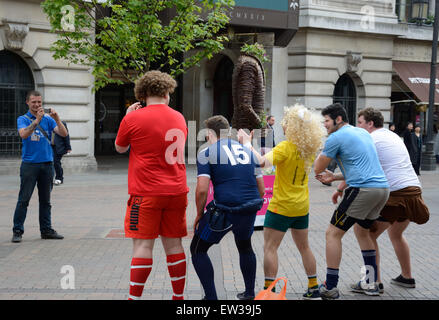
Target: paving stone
88,209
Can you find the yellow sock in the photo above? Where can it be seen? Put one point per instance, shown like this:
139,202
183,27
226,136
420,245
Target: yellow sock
312,281
268,282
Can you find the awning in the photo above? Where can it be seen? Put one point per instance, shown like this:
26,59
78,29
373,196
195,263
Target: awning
416,75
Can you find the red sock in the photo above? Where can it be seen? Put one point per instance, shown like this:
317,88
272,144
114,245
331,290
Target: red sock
140,270
177,272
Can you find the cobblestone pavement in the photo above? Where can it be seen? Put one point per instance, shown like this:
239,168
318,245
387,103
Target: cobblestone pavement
88,209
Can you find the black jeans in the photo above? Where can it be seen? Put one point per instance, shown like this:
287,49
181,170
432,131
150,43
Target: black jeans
59,172
31,174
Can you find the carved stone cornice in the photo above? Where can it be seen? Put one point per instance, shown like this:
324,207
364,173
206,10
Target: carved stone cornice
352,60
15,33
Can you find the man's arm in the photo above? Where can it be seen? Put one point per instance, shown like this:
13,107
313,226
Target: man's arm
245,140
60,129
201,192
27,132
121,149
328,176
321,163
322,174
261,186
338,192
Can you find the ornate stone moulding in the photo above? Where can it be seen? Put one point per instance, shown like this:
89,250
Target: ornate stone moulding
15,33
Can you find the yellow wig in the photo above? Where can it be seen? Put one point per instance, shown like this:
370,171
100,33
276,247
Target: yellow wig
304,128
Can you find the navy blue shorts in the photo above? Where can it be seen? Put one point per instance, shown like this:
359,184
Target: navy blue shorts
242,227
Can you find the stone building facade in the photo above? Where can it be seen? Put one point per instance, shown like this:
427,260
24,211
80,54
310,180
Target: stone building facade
26,63
321,51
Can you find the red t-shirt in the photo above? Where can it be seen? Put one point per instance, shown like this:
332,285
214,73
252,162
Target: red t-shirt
157,136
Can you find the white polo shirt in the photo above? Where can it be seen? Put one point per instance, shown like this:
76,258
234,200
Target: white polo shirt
395,160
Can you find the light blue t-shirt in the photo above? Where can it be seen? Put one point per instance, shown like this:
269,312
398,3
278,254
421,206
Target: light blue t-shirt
356,156
36,148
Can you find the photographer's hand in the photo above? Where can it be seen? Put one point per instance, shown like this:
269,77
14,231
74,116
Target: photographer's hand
40,115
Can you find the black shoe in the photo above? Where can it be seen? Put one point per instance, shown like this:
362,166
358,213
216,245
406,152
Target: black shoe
404,282
51,234
16,237
244,296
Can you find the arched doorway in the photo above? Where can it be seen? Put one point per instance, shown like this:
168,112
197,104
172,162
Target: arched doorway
222,92
16,80
346,94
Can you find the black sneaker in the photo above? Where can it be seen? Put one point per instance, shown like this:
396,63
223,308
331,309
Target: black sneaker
244,296
381,288
404,282
16,237
312,294
51,234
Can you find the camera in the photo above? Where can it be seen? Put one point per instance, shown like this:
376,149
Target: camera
46,110
143,104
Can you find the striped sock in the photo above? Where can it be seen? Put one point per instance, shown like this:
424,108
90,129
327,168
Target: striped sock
369,257
177,272
331,278
312,282
140,270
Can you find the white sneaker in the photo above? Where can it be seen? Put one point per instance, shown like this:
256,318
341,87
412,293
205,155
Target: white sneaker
57,182
371,289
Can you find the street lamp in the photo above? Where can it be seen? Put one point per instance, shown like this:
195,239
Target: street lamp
419,11
428,161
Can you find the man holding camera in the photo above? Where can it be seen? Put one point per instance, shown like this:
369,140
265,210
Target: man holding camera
35,129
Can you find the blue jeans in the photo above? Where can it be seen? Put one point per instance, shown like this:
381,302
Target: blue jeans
31,174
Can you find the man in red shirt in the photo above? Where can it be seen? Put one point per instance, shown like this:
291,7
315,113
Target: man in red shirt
155,137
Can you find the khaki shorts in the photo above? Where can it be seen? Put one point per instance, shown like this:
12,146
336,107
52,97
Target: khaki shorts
365,203
405,204
359,205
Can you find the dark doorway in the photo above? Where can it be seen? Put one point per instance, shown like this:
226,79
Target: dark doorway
345,93
222,92
403,113
15,81
111,104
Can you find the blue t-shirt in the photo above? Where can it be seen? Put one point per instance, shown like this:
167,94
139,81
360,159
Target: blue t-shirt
36,148
356,156
233,170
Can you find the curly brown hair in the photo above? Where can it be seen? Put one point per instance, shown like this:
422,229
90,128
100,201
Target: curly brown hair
154,84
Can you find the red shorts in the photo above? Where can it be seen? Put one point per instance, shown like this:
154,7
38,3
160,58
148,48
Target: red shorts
149,217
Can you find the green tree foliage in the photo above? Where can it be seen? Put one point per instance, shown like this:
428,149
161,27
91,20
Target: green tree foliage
126,37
